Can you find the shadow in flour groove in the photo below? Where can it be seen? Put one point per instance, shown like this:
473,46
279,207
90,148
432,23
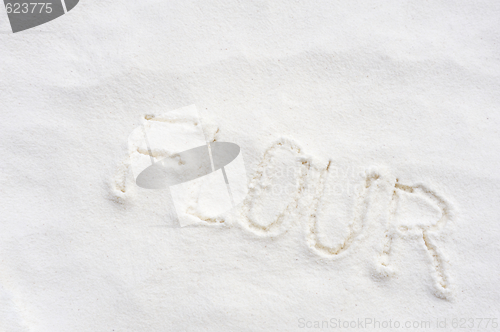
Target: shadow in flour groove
355,227
275,189
394,230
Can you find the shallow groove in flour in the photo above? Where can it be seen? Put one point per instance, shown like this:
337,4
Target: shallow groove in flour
355,227
260,185
442,283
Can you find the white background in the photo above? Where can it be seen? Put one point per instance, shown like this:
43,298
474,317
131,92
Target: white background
411,85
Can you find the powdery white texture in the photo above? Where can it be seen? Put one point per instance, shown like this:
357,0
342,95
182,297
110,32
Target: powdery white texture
205,198
411,87
237,178
275,189
168,135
